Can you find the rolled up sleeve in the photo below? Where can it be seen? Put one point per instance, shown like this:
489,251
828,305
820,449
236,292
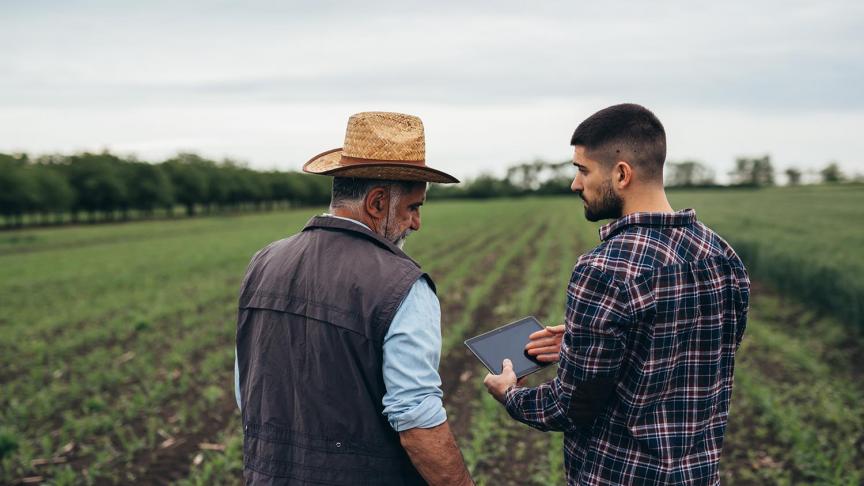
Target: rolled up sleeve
236,379
412,353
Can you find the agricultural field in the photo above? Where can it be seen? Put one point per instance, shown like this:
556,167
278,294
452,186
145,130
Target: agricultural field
117,340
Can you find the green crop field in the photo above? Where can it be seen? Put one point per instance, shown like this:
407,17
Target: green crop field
117,340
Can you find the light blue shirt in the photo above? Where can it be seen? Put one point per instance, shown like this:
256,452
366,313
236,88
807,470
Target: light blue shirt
412,353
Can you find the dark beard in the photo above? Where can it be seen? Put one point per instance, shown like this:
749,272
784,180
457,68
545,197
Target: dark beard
607,206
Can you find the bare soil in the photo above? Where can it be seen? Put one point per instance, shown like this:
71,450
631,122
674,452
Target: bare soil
460,373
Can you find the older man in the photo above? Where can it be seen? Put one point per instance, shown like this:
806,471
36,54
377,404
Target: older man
654,317
339,333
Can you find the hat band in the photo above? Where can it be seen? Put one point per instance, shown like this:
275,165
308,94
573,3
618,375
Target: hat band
347,161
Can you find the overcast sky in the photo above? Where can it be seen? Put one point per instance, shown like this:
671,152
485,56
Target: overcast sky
273,83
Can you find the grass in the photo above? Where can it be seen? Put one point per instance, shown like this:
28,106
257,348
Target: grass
117,340
805,241
798,396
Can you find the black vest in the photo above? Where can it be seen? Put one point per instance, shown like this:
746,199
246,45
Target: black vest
314,310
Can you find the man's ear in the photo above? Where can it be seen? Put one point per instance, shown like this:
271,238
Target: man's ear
622,174
375,203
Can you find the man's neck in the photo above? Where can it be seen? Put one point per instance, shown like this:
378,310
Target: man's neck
351,213
653,201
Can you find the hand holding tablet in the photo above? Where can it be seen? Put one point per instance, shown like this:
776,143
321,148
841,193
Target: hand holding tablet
508,342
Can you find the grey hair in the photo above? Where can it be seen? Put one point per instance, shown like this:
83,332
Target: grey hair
348,191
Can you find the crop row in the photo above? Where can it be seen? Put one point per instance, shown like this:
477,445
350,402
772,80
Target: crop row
501,451
805,241
796,413
117,341
460,247
132,342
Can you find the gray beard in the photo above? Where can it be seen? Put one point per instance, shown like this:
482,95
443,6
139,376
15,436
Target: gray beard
400,241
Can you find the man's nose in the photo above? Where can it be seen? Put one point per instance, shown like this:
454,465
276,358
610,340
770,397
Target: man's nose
576,185
415,223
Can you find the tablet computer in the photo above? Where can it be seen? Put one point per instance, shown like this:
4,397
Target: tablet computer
507,341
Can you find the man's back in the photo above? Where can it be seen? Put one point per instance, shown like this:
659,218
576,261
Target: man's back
654,317
688,293
655,314
314,310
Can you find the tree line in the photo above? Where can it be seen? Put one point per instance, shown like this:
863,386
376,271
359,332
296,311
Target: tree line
54,189
104,186
747,172
544,178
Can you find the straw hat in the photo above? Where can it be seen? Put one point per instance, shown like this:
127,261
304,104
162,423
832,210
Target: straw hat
380,145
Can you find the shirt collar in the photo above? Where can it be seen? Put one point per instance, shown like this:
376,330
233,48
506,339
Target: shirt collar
328,215
685,217
338,223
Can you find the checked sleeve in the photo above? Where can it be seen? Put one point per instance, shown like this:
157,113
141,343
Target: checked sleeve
592,351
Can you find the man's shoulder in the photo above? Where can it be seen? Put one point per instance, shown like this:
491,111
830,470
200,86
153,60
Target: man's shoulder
423,289
622,257
718,243
639,249
357,258
273,246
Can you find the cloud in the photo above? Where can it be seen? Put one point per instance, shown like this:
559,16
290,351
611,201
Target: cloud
727,55
105,72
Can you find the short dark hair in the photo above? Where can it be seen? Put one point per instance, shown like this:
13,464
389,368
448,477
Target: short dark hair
350,189
626,132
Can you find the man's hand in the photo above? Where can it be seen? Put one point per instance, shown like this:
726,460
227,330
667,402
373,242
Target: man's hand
497,385
545,345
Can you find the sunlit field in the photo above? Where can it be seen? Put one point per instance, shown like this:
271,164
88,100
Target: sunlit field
117,339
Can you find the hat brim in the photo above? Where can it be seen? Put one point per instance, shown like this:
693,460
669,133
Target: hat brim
330,163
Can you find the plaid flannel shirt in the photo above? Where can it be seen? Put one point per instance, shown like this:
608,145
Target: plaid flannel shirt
654,317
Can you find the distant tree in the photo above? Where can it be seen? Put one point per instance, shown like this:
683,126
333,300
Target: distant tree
150,187
557,178
220,187
753,171
446,191
539,177
318,188
54,193
526,176
288,187
18,190
832,174
109,184
241,185
555,185
188,174
99,182
487,185
264,193
793,176
688,173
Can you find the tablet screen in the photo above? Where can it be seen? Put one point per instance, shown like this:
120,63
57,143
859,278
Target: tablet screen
507,342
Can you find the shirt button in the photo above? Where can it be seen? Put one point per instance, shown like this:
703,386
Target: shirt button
338,444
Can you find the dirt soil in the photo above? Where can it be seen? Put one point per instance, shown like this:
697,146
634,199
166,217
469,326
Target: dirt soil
460,373
524,459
